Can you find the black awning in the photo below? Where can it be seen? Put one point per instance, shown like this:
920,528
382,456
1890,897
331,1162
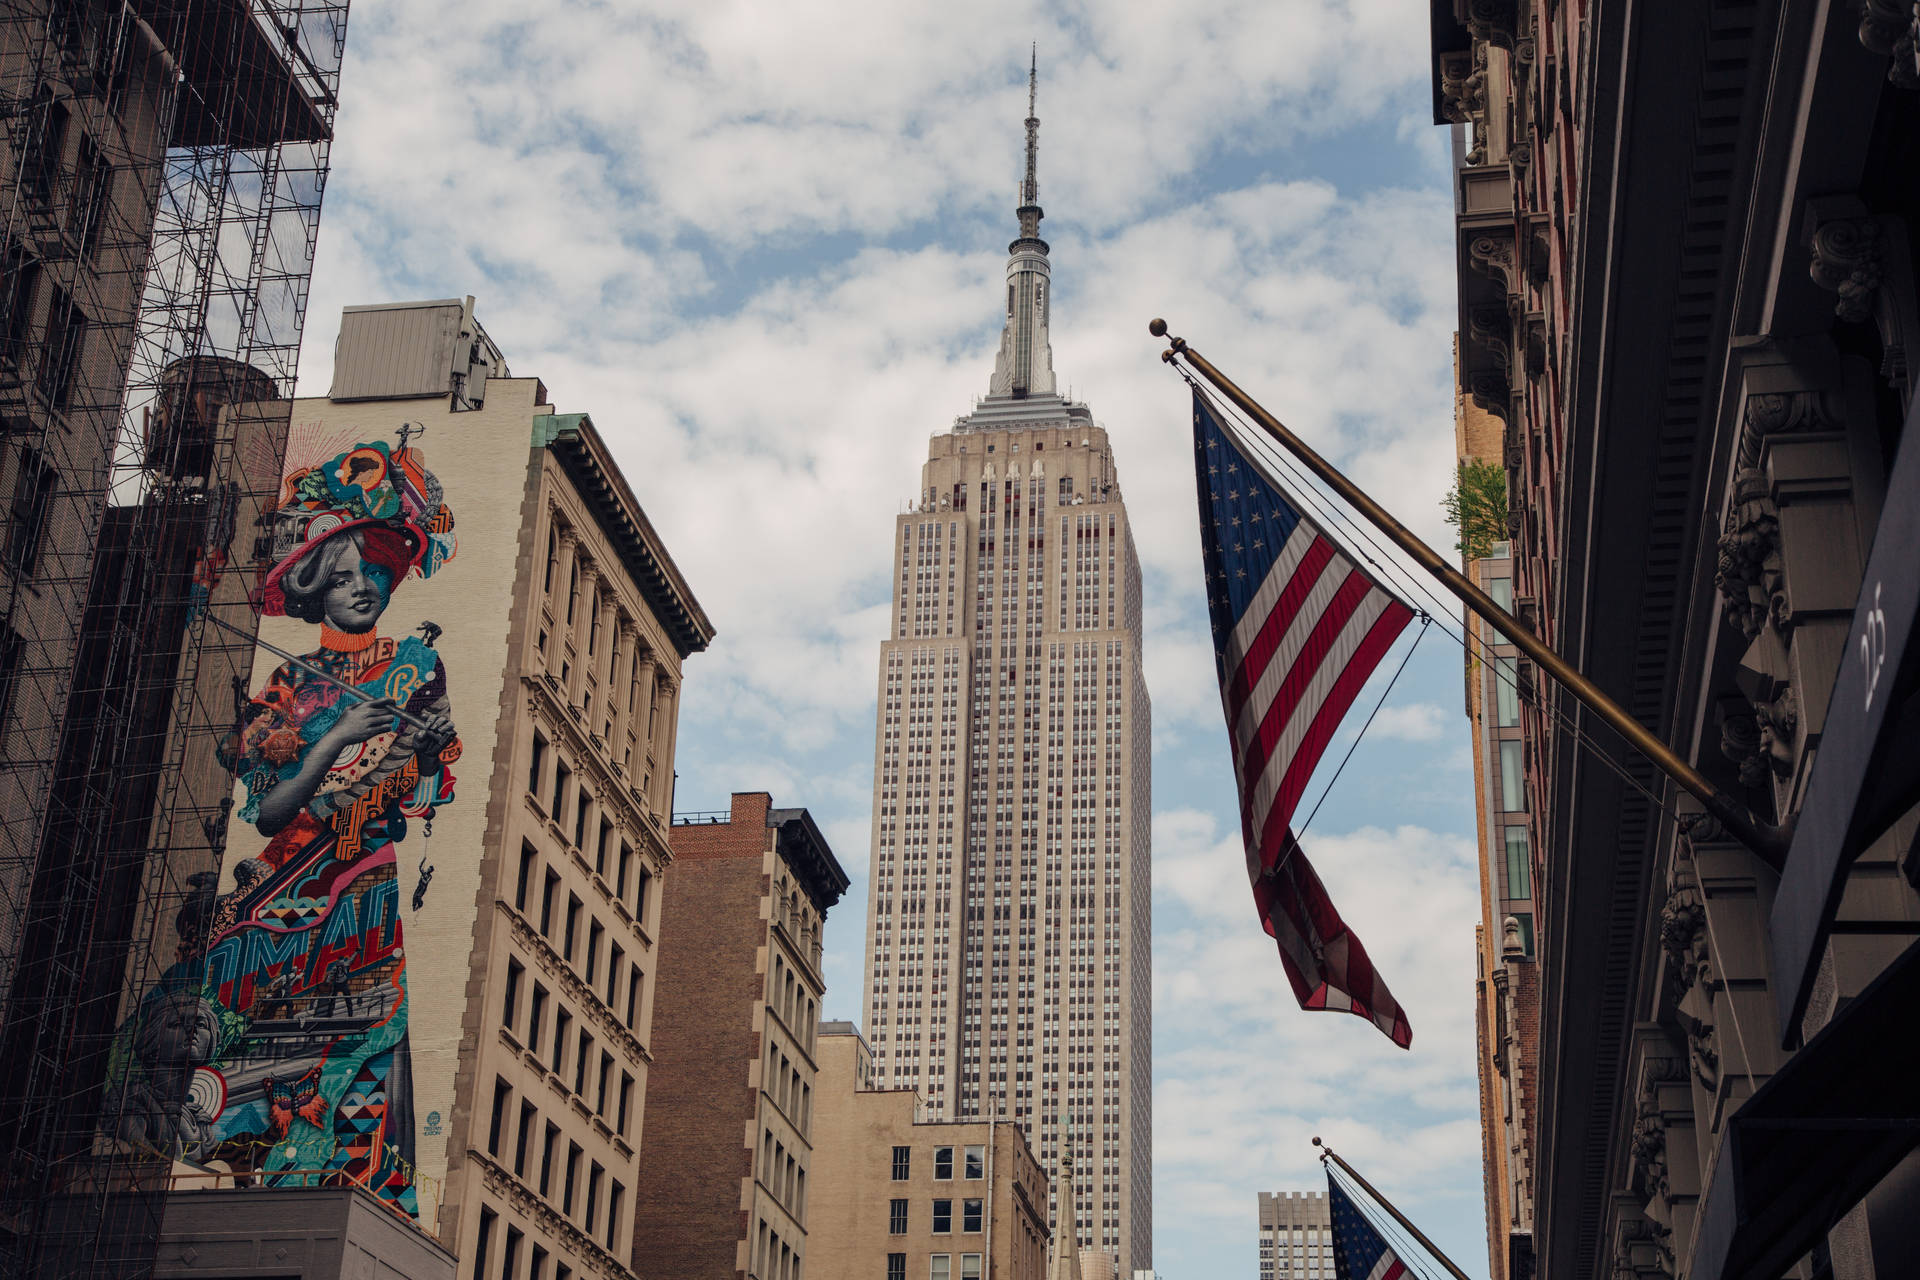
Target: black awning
1818,1136
1868,771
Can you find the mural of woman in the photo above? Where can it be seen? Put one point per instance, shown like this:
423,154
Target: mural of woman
340,753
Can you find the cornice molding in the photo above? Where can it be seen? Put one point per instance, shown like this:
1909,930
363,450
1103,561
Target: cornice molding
531,1205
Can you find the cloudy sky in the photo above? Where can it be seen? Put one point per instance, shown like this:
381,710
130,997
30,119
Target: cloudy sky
761,240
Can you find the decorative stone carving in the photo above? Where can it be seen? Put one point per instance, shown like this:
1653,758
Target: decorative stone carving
1847,260
1536,344
1649,1173
1702,828
1740,739
1778,412
1749,571
1473,99
1513,452
1494,21
1489,329
1887,26
1492,257
1463,93
1490,391
1539,253
1777,722
1637,1254
1688,947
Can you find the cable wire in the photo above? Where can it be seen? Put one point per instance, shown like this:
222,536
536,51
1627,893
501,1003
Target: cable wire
1426,620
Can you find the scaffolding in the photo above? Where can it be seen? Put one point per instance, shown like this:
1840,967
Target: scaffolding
164,163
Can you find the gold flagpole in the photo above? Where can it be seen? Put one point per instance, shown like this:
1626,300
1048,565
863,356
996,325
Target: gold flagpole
1326,1154
1766,841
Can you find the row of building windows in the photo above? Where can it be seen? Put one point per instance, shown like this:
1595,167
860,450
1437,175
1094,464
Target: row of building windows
582,950
588,825
602,1222
774,1258
972,1217
592,1077
940,1266
972,1165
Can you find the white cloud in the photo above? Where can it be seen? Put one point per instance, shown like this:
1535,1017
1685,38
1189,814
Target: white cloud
1414,722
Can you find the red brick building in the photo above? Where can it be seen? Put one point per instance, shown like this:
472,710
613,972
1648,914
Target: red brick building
725,1158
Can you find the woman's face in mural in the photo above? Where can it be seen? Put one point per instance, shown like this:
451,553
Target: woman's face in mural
181,1034
355,592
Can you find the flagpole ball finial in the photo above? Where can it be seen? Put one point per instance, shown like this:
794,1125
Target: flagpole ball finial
1157,327
1316,1139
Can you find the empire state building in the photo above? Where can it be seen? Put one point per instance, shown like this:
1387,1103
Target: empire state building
1009,970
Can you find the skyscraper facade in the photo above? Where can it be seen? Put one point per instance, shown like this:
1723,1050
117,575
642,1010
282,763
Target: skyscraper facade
1008,964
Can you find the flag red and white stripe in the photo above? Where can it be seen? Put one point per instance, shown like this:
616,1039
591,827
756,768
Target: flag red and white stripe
1298,627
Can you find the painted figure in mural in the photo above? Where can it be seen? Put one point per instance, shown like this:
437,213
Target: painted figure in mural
340,754
174,1040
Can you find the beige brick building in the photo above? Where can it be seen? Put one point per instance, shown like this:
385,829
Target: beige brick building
898,1195
727,1168
506,981
1008,936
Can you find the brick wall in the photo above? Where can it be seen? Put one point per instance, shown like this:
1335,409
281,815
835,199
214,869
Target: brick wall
701,1094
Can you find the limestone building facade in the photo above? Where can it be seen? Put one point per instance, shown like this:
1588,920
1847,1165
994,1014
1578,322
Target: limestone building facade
1296,1236
728,1170
1008,936
1685,239
904,1196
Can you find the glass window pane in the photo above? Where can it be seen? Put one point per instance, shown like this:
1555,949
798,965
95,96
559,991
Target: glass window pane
942,1267
969,1266
976,1161
943,1162
1501,589
1512,794
1506,693
1525,918
1519,875
943,1216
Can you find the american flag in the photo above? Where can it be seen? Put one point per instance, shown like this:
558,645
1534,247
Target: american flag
1358,1251
1297,629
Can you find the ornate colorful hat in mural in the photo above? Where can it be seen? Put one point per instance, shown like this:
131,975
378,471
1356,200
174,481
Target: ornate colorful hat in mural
371,484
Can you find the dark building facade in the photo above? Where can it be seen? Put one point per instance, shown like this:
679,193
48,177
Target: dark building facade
1685,247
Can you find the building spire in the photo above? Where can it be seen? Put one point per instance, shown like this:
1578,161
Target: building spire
1065,1264
1025,364
1030,190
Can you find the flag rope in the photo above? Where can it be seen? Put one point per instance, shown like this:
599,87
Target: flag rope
1426,620
1464,636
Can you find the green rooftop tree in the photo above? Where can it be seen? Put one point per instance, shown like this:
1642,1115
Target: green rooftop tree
1476,507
